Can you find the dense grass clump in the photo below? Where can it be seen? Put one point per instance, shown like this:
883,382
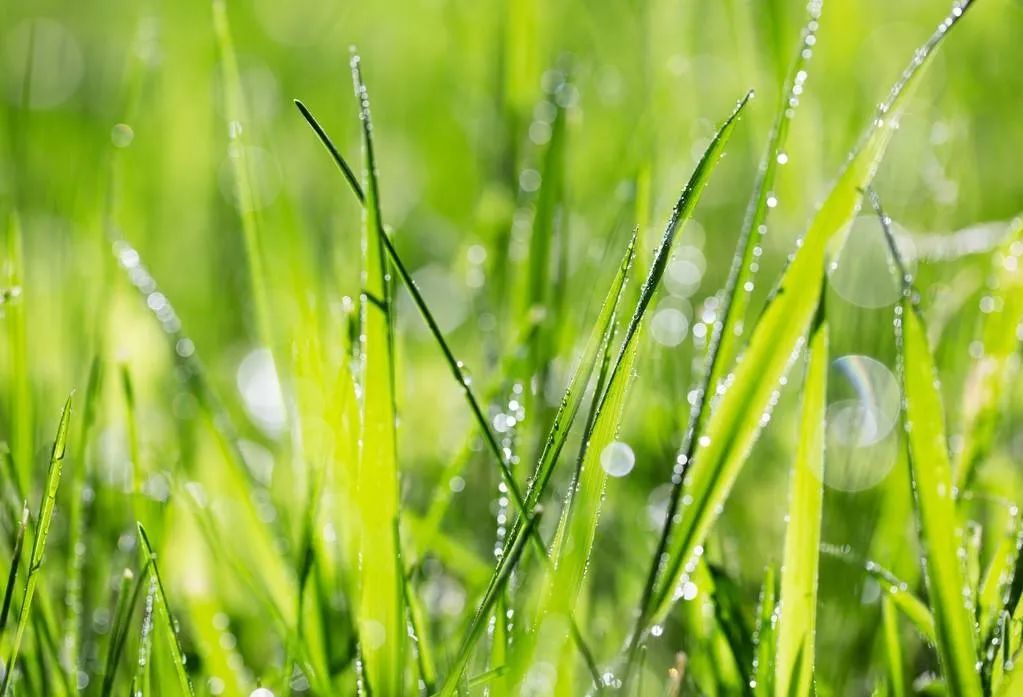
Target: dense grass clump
458,417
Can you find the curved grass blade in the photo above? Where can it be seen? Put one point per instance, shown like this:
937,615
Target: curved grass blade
900,597
940,534
1001,315
726,334
163,610
582,511
749,393
798,599
381,607
46,506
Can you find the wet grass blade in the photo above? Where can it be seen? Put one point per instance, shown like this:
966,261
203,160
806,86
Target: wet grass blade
749,394
1001,315
12,575
479,621
798,599
899,596
381,605
42,531
164,612
941,536
127,599
764,642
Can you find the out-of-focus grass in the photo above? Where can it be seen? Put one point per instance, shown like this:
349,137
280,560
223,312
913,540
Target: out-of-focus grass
331,511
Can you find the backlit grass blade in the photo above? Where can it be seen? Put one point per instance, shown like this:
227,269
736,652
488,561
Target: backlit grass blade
42,531
1001,314
381,613
994,592
749,392
127,598
164,613
798,600
940,533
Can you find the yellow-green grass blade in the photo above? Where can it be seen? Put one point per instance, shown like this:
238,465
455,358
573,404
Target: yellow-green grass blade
127,598
750,391
42,531
798,599
940,534
1001,314
381,607
996,584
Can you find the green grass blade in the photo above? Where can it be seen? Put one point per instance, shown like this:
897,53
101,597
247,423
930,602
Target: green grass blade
12,575
940,533
480,619
764,642
994,592
902,598
21,393
735,423
798,598
893,649
234,108
164,612
127,598
381,606
42,531
1001,315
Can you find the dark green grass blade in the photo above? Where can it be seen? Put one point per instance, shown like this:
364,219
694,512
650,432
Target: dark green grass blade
164,613
12,575
127,599
735,423
42,531
799,571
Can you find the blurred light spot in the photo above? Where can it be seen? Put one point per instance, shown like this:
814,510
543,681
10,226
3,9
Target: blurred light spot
261,391
529,180
861,437
669,326
863,271
121,135
56,63
617,459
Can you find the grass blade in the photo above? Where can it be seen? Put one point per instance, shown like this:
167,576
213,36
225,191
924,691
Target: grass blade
12,575
1001,315
42,531
163,610
798,599
900,597
734,425
381,605
940,533
127,598
893,649
764,639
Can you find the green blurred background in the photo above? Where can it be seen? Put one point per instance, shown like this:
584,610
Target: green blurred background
118,130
